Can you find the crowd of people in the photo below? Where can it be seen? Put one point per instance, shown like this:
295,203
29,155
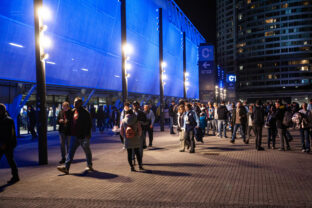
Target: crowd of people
192,121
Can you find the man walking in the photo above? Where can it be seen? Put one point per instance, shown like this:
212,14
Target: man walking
258,122
8,142
222,119
191,121
81,126
141,118
239,121
63,119
281,128
150,117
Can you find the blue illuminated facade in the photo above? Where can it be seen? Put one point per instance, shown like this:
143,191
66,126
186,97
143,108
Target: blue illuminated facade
86,45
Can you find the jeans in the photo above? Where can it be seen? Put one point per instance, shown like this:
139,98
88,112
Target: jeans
241,127
135,151
249,128
190,140
214,126
209,126
222,127
258,133
150,135
305,140
182,140
283,138
64,140
74,144
9,154
171,125
272,136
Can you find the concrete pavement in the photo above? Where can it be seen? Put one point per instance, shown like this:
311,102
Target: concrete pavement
219,174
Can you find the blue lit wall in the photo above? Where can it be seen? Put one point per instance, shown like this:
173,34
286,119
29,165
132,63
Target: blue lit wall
144,75
17,47
173,56
192,69
86,45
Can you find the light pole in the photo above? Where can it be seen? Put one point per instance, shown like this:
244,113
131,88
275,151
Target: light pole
184,66
161,70
123,53
41,41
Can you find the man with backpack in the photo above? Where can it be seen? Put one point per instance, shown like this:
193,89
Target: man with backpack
191,121
258,122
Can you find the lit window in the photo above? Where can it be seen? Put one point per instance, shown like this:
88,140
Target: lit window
270,76
304,68
306,3
241,68
260,66
253,6
248,1
240,16
270,33
285,5
270,20
240,50
304,61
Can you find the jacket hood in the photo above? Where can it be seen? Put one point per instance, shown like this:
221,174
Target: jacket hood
130,119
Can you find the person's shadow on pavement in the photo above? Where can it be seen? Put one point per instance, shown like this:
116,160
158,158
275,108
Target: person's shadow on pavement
3,187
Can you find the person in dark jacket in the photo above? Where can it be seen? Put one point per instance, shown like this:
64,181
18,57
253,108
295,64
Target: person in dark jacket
93,117
141,118
172,116
80,130
31,120
222,119
271,125
239,120
258,122
8,142
100,116
281,129
63,120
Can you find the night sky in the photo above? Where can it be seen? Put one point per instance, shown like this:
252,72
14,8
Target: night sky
202,13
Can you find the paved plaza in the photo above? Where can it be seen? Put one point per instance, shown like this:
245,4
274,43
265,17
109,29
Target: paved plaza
219,174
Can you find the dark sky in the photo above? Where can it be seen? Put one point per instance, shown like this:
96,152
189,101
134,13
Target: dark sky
202,13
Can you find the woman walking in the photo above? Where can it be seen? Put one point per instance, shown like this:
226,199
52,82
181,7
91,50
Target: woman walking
131,132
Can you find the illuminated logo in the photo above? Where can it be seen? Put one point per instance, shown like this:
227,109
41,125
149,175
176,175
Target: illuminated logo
231,78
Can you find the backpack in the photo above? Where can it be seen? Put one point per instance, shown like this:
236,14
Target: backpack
296,119
130,132
287,119
269,122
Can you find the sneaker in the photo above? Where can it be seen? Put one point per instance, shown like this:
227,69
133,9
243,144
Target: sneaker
89,168
62,161
132,169
303,150
63,169
226,137
182,150
192,151
260,149
232,141
141,168
13,180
